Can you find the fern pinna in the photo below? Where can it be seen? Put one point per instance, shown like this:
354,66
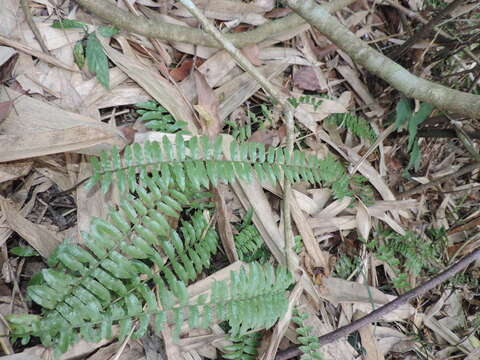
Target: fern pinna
134,267
243,347
308,343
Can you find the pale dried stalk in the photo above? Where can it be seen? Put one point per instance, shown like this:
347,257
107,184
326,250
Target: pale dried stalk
246,65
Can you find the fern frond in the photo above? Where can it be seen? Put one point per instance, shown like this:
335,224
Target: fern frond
249,245
88,283
199,162
157,118
309,344
315,101
243,347
252,299
408,254
357,125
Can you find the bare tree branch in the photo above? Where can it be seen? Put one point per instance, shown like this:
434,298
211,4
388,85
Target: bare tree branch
171,32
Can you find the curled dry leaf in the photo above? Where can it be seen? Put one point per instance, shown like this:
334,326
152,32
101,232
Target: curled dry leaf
8,57
208,105
364,221
38,236
278,13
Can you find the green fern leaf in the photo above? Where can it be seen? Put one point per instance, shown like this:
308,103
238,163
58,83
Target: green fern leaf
198,162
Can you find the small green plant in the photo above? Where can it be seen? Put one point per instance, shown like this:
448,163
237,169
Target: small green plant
24,251
90,49
249,242
242,132
244,347
157,118
362,189
345,266
298,244
356,125
133,267
315,101
406,115
309,343
408,254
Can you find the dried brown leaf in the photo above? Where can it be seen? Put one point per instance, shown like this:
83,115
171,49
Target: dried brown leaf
53,129
14,170
5,107
364,297
252,52
38,236
159,88
8,58
278,13
182,71
208,105
369,342
306,79
224,226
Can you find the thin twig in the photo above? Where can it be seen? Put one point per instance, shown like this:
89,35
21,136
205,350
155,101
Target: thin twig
33,26
246,65
372,148
425,30
465,170
387,308
42,56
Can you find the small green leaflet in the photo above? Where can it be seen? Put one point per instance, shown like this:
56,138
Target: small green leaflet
415,157
108,31
69,24
24,251
97,60
404,112
79,54
420,116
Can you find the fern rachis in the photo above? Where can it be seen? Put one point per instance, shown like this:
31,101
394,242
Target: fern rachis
199,162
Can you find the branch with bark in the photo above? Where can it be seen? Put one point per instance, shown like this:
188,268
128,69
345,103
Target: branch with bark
172,32
318,16
442,97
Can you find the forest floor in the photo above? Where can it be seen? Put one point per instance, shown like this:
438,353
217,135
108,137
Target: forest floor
358,252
